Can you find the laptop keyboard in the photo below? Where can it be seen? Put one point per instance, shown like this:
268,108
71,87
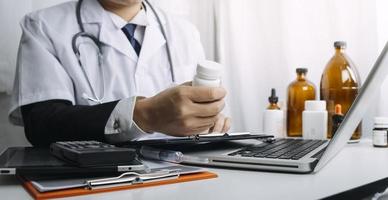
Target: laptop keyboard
293,149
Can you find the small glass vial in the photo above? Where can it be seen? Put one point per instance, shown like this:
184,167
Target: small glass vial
208,74
336,119
380,132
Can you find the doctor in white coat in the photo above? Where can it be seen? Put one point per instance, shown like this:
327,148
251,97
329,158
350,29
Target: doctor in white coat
133,92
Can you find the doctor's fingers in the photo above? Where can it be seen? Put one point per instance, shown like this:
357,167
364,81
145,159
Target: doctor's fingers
206,94
189,83
201,131
219,125
208,109
198,124
227,125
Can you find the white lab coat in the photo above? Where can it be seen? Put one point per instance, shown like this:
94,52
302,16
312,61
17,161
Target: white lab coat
48,69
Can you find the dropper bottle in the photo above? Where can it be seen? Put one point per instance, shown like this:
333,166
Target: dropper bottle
273,101
273,118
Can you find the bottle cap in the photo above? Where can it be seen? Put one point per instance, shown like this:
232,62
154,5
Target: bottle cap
381,120
340,45
209,70
315,105
301,70
338,109
273,98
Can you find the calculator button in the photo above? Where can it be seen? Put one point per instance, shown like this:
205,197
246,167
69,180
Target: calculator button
93,146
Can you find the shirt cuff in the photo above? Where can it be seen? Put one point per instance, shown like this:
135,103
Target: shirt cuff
120,126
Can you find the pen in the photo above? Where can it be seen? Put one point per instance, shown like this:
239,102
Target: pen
169,155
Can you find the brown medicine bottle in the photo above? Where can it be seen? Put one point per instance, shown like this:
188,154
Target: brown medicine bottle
340,84
299,91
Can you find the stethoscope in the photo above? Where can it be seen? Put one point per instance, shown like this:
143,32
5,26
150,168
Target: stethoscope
99,45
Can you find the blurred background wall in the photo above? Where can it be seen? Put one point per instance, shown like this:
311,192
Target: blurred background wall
260,42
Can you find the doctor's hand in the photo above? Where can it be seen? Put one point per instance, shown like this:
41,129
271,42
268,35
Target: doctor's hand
222,125
182,111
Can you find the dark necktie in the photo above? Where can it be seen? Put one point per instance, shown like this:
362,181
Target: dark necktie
129,31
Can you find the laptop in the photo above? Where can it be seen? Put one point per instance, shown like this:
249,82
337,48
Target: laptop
294,155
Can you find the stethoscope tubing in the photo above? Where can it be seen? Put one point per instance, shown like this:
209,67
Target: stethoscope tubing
98,43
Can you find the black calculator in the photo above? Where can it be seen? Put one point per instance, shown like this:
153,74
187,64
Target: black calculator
92,153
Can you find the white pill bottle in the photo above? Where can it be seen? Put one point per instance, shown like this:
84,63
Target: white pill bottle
208,74
314,120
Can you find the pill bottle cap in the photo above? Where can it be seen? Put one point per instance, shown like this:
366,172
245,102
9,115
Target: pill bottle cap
338,109
340,45
381,121
209,70
315,105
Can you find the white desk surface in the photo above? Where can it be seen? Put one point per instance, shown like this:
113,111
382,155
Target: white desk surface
357,165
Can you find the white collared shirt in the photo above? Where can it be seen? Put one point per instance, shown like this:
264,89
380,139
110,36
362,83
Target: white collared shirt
140,20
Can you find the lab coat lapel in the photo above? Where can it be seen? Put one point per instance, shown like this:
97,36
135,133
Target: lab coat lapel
153,40
153,37
115,38
108,34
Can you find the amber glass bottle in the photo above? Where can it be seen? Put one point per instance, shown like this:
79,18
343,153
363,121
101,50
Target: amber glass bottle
340,84
299,91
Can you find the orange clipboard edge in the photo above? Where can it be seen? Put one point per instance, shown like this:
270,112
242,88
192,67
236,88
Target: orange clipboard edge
83,191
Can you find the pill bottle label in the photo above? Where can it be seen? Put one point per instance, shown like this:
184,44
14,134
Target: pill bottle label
380,138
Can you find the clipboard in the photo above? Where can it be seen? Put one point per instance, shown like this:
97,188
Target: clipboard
85,191
199,139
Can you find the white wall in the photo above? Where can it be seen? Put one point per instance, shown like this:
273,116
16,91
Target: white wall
261,42
10,34
382,25
11,12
